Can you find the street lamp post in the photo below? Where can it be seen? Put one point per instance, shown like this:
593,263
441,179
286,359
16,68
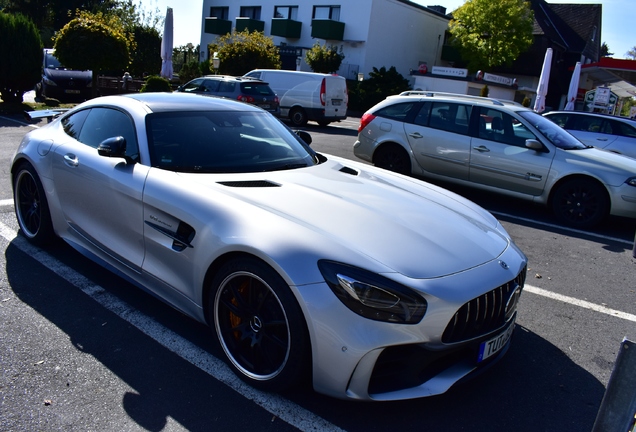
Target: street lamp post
216,62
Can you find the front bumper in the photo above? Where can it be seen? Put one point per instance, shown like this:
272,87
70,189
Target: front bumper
357,358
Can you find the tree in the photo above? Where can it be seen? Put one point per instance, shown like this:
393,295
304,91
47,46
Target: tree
605,52
147,56
21,54
631,54
240,52
323,59
94,42
491,33
380,84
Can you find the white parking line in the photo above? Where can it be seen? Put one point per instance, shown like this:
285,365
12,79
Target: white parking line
580,303
282,408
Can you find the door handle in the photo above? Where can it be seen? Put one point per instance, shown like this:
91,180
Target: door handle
416,135
71,160
482,149
601,139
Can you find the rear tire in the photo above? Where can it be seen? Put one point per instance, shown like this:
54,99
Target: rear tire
298,117
580,203
394,158
31,206
259,325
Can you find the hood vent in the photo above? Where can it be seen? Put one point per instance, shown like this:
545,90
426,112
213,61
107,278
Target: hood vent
250,184
348,170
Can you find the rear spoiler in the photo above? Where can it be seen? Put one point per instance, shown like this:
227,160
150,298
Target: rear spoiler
49,114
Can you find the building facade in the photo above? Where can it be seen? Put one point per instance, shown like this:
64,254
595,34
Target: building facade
370,33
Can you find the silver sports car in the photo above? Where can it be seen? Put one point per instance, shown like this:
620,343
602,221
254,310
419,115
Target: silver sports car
374,285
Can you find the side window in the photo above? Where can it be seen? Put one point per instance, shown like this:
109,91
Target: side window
495,125
588,124
450,116
256,75
210,86
422,116
192,86
560,119
103,123
226,87
73,124
397,112
623,129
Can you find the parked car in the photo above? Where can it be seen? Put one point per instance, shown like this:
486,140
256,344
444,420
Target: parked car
319,97
500,147
248,90
61,83
612,133
297,261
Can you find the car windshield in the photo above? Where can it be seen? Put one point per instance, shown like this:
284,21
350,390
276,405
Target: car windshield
52,62
224,142
551,131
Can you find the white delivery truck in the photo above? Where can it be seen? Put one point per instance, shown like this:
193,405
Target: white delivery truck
306,96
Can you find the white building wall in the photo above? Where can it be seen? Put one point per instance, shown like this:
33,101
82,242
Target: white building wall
377,32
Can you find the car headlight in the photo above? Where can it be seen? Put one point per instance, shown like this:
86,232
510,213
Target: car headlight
631,181
373,296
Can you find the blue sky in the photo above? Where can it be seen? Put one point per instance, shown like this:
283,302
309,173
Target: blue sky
618,18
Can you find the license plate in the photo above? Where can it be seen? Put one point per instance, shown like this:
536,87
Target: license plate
494,345
72,91
336,102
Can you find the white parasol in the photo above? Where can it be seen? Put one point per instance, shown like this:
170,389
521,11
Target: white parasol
574,87
542,89
166,46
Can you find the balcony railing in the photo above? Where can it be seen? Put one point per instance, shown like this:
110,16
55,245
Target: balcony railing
249,24
327,29
217,26
286,28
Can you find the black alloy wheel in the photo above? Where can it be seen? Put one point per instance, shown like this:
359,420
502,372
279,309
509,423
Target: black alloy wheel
259,325
394,158
580,203
31,207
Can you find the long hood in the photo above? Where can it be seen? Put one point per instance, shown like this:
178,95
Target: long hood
411,227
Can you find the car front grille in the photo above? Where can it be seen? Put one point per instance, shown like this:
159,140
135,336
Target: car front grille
486,313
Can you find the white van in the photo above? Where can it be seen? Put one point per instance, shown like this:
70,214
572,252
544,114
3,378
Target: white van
306,95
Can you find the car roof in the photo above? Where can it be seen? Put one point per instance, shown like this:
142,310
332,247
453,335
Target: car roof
456,97
166,102
231,78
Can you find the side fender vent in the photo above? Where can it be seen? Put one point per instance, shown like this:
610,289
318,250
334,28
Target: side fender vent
250,184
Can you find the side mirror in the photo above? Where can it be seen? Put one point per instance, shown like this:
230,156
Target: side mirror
533,144
304,136
113,147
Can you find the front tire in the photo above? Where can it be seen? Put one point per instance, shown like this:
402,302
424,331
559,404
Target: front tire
580,203
259,325
31,206
394,158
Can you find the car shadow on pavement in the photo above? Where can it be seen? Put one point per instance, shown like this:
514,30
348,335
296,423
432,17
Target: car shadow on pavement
534,387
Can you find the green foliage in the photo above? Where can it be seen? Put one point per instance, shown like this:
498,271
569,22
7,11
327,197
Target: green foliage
491,33
94,42
380,84
324,60
21,54
484,91
190,71
526,102
628,103
156,83
631,54
147,57
240,52
605,51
